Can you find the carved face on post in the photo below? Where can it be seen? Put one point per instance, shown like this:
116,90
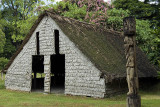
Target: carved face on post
129,27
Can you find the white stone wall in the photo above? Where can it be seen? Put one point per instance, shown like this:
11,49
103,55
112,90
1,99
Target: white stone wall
81,76
47,72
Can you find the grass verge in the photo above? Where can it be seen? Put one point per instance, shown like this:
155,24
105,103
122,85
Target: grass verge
10,98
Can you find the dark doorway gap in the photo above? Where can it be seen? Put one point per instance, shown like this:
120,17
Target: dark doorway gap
58,69
57,66
37,67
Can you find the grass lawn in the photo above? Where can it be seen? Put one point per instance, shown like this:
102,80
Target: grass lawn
10,98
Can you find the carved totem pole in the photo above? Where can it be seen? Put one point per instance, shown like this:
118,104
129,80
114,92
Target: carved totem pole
129,27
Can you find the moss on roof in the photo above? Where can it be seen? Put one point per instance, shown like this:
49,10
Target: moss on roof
96,46
102,46
105,48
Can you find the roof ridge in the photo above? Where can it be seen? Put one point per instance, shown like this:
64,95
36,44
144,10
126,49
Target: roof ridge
83,22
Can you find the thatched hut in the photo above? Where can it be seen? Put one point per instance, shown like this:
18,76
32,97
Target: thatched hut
82,58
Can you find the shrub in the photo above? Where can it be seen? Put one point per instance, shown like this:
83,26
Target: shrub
3,62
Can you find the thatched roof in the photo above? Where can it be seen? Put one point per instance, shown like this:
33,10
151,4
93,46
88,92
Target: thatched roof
102,46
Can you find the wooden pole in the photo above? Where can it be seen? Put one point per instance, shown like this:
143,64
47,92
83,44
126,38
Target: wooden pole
129,28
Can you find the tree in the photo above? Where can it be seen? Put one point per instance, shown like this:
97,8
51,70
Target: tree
3,62
155,53
145,39
16,18
148,29
115,18
2,39
92,11
19,16
137,8
2,35
142,10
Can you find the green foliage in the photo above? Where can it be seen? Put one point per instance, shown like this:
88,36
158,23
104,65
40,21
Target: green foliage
75,12
2,40
115,18
9,49
67,9
3,62
95,12
147,30
19,15
144,32
2,34
23,27
148,40
156,47
83,10
137,8
61,6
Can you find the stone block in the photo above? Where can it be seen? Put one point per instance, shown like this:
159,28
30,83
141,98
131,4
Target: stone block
46,61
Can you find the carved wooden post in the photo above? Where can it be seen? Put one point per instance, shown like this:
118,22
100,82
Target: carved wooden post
129,27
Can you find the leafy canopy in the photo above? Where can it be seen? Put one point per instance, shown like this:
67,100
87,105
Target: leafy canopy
19,15
148,29
2,34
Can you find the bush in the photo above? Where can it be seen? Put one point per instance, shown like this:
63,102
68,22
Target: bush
3,62
115,18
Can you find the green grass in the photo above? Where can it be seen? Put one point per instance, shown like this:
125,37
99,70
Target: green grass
40,75
10,98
